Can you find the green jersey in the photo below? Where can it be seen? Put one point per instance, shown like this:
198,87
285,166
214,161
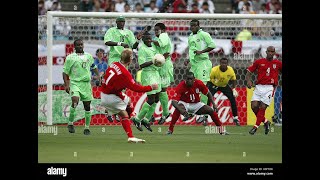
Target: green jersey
165,44
146,54
78,66
198,42
117,35
166,71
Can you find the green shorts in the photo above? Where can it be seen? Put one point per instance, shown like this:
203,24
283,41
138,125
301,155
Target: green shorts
202,70
151,77
82,90
166,74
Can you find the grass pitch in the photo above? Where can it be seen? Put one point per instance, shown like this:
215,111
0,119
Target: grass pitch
188,144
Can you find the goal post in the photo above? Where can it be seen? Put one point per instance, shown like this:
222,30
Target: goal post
57,31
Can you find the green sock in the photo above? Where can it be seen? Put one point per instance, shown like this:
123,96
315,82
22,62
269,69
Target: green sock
151,111
164,103
203,98
87,116
145,108
72,115
145,120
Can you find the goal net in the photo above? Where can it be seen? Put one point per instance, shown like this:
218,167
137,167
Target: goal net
58,30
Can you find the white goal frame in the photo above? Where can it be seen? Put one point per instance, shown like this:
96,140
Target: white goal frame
51,14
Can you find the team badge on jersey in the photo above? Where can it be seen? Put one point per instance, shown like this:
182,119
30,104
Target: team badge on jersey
274,66
197,90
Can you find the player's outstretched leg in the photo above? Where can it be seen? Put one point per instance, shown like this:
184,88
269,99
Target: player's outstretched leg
164,100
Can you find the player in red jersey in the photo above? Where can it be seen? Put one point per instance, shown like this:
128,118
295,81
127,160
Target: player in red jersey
267,70
187,100
116,79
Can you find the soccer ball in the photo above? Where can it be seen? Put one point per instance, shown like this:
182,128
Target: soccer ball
158,60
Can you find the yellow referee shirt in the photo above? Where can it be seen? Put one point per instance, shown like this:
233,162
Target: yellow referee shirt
221,79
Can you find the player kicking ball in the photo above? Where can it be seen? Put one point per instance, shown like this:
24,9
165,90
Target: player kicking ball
116,79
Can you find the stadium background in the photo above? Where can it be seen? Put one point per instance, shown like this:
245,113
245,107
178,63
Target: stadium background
240,54
193,143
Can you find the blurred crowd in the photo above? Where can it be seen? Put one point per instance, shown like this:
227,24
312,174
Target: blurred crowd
256,6
165,6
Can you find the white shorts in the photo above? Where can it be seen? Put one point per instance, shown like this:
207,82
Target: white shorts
263,93
192,108
113,103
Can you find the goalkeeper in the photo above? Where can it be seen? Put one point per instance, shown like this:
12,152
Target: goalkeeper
219,78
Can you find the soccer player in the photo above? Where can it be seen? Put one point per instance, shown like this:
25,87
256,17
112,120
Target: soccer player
163,45
116,79
200,44
187,100
219,78
149,75
267,70
119,38
77,76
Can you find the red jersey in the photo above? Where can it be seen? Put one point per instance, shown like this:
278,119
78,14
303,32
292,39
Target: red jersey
190,94
268,71
117,78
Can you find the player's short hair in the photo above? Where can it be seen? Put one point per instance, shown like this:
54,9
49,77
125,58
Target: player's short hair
161,25
195,20
145,34
189,73
75,41
224,58
125,55
99,50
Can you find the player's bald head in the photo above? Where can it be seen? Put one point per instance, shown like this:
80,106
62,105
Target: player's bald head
270,48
